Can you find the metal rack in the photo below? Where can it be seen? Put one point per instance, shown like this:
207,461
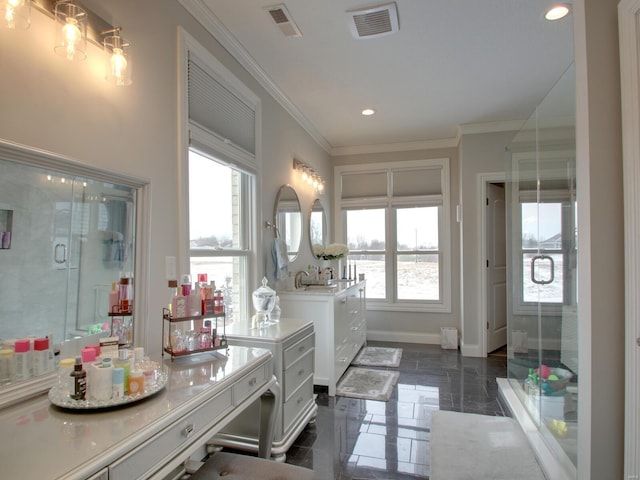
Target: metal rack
212,318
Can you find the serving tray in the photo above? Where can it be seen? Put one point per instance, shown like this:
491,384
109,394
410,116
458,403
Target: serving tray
65,401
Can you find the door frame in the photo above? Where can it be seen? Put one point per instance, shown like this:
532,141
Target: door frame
482,180
628,13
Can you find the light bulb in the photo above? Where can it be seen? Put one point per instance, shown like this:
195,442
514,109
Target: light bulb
16,13
118,66
71,35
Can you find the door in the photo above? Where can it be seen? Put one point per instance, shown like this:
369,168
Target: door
496,267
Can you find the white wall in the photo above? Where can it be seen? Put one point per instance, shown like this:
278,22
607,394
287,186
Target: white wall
479,154
51,104
600,241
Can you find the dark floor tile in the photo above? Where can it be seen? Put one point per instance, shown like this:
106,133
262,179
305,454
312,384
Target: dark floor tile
354,439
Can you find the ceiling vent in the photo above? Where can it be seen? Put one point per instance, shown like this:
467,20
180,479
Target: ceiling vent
282,17
374,22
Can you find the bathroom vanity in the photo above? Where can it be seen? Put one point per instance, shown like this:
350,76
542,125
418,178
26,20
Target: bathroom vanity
339,320
292,343
149,439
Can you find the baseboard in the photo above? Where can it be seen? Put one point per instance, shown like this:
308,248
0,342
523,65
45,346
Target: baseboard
403,337
471,351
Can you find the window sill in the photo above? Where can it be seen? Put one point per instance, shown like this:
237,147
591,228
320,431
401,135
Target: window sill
372,305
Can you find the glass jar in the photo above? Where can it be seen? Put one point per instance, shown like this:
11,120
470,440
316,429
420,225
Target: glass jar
264,299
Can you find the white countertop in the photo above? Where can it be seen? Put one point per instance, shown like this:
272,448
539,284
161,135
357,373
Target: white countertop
341,286
276,332
41,441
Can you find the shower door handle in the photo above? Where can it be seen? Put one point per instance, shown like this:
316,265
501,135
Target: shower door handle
60,253
535,259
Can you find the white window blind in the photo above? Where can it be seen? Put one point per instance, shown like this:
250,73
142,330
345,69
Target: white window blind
364,184
417,182
217,109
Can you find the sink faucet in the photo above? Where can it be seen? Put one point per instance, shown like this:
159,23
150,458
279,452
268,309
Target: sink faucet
298,280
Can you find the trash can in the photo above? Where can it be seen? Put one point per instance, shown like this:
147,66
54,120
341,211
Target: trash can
449,338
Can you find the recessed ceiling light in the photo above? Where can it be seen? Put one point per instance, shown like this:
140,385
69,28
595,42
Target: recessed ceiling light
557,12
368,111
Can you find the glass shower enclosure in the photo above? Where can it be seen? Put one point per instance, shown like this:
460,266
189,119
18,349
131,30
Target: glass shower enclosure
542,252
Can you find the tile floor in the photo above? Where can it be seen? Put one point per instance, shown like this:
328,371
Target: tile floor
355,439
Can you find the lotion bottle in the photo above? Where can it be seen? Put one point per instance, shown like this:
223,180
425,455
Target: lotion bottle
79,381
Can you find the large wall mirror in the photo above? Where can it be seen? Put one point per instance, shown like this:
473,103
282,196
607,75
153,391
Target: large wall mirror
68,233
317,224
287,218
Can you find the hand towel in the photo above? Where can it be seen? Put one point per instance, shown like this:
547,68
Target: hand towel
280,259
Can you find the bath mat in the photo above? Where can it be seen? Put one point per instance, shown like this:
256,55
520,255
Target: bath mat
367,383
378,357
468,445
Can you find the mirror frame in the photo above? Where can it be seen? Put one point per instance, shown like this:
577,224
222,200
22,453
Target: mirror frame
275,216
325,232
23,154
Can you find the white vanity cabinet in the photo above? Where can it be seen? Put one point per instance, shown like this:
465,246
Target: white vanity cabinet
292,344
339,320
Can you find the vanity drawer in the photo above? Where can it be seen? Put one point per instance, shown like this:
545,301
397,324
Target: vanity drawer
297,373
297,402
169,442
298,349
248,384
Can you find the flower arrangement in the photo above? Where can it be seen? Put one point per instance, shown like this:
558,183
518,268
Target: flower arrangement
334,251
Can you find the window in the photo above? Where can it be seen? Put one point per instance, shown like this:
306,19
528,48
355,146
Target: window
218,237
545,258
395,222
221,116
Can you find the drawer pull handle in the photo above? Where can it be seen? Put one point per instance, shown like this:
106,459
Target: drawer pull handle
354,329
253,381
301,348
300,400
188,430
301,371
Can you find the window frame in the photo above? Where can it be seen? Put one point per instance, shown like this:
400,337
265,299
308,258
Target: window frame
390,203
194,137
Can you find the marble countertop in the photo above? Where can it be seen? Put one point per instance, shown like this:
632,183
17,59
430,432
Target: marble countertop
40,440
338,287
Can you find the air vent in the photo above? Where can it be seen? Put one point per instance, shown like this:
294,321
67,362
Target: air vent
374,22
283,20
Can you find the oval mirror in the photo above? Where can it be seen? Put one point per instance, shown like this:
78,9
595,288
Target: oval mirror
317,226
287,217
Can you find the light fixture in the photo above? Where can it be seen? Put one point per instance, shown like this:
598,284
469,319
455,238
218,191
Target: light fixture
71,31
118,66
557,12
16,13
368,111
309,175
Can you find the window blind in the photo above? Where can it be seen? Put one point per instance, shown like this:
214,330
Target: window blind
214,107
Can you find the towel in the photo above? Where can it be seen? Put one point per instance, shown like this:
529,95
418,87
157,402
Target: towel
280,259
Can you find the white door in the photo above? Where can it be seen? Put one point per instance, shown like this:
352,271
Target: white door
496,268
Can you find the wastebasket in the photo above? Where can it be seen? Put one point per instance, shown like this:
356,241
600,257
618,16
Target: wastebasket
449,338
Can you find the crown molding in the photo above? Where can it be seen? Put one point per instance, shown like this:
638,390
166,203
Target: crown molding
491,127
397,147
202,14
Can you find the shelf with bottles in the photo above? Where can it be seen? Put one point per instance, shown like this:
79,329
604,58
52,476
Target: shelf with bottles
182,336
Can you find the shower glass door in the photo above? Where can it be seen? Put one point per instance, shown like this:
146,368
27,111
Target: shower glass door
542,306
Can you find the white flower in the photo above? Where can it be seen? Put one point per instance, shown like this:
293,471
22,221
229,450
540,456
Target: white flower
318,250
335,251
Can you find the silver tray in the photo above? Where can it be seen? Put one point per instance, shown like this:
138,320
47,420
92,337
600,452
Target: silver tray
65,401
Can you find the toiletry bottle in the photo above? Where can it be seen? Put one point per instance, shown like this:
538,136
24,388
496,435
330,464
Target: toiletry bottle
23,360
124,363
125,294
40,356
79,381
88,356
173,293
118,383
136,382
114,300
65,380
7,366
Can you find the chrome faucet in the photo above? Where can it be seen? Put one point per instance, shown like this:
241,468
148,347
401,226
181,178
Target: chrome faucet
298,280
